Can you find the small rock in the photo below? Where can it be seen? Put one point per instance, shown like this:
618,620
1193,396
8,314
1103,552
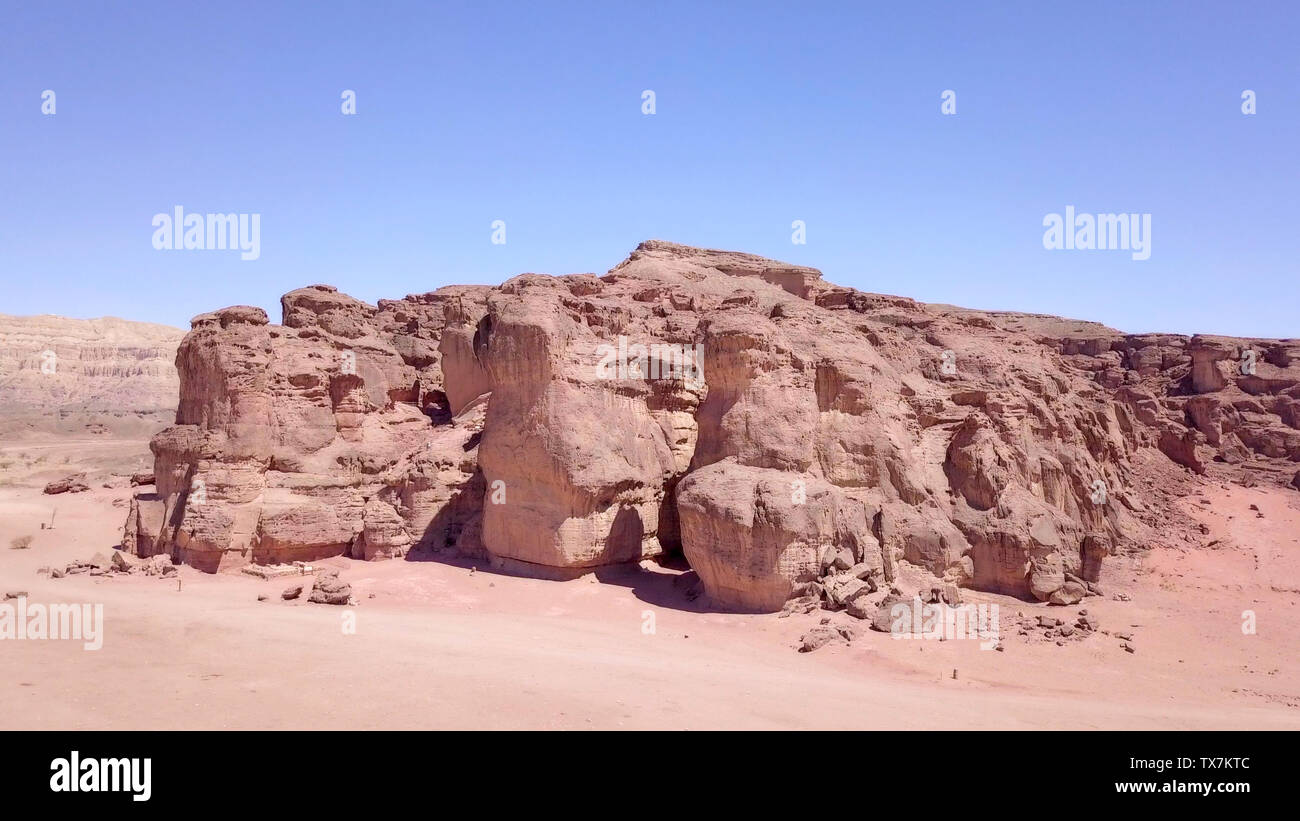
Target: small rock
1067,594
860,607
847,588
882,620
941,593
1070,577
836,559
866,573
803,604
817,638
75,483
329,589
291,592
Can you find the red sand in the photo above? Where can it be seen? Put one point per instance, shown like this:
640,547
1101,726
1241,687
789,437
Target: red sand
439,646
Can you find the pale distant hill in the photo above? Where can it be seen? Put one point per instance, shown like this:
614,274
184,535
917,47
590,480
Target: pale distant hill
104,375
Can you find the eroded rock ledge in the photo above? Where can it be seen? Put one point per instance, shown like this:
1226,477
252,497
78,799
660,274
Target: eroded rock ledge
829,428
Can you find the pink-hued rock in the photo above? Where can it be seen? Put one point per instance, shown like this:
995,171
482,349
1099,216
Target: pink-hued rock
326,436
752,533
104,376
556,424
75,483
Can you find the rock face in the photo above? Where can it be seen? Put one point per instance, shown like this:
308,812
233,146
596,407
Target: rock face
77,371
328,435
754,533
785,434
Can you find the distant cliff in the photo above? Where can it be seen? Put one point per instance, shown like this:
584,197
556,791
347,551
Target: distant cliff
58,373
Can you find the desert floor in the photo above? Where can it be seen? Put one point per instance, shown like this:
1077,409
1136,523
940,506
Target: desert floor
445,645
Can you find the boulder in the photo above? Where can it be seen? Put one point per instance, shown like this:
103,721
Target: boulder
328,588
887,612
752,540
75,483
1068,593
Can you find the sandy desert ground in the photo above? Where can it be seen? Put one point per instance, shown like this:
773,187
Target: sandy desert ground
446,645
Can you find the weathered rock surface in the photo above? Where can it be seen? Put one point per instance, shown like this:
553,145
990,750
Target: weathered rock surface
753,533
68,484
328,588
794,439
329,435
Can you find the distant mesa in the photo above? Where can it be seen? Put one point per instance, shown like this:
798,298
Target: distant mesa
59,374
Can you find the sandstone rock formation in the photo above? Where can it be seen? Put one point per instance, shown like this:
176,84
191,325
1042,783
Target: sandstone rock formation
790,437
328,435
62,374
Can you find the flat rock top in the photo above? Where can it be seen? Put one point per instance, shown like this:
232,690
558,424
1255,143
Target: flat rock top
44,329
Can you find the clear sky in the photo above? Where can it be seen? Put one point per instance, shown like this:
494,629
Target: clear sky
531,113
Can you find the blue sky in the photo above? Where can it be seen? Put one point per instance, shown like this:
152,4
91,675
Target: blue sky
765,113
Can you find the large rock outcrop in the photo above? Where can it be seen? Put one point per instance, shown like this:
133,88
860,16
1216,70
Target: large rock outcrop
765,423
327,435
